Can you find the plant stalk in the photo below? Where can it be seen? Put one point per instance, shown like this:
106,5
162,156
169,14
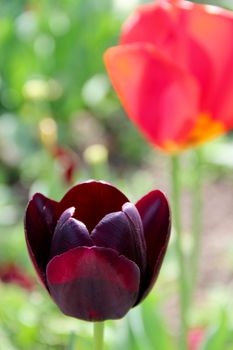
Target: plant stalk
98,335
182,278
196,220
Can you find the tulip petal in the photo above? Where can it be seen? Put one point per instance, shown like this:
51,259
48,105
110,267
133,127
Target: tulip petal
69,233
93,284
120,233
212,27
154,211
92,201
39,226
159,97
136,223
156,23
165,26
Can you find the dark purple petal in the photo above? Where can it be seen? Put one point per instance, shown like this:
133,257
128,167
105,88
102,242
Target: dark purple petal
155,215
68,213
93,284
136,226
39,225
118,232
92,201
69,233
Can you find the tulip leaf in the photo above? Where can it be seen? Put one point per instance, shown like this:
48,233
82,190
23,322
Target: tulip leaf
217,336
146,329
153,320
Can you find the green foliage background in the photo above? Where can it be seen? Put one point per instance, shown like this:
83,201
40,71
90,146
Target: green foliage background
51,66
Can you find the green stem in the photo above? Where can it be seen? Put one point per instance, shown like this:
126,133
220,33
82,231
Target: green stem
98,335
71,341
183,285
196,220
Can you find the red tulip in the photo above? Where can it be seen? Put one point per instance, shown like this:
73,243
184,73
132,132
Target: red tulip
96,253
195,338
13,274
68,162
173,72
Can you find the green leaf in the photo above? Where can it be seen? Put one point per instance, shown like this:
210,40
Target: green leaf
217,336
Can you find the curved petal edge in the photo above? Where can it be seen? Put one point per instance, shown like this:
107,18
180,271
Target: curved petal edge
93,283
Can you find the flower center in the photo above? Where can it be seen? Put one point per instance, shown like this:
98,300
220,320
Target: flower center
204,129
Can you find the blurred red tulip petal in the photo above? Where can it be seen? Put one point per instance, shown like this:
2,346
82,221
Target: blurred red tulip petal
173,39
39,226
93,284
140,25
69,233
116,231
156,24
155,214
200,66
212,28
12,273
209,25
151,88
67,160
92,200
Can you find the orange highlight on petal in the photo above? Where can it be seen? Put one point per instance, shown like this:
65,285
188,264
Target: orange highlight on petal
205,129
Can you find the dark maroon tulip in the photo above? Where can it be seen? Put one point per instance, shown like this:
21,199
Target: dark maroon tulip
96,253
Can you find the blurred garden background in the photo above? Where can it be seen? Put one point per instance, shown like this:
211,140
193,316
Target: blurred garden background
62,123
